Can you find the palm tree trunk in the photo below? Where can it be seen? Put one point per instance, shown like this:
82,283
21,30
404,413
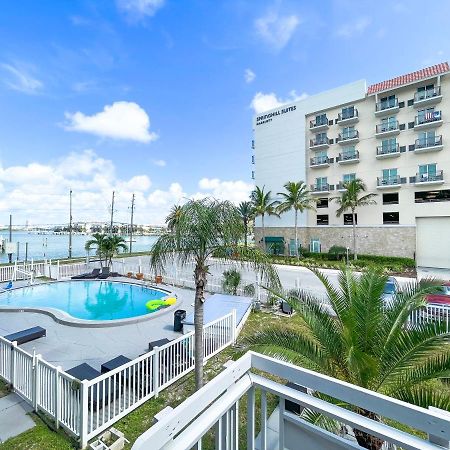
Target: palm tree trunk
296,233
364,439
200,282
246,232
355,256
263,233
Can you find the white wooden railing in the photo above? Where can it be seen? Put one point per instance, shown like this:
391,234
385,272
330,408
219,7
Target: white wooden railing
214,410
86,408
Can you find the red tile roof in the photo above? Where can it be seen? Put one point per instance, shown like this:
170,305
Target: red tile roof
409,78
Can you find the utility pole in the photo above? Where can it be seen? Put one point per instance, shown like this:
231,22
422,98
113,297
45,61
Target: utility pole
70,224
10,237
131,223
112,214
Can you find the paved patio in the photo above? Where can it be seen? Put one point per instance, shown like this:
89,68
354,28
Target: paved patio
68,346
14,418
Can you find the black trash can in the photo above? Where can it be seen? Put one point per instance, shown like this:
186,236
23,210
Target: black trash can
178,316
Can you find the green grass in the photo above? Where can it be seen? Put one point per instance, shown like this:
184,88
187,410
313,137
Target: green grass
4,389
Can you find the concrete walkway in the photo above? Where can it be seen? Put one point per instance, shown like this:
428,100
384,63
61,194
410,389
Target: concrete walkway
14,418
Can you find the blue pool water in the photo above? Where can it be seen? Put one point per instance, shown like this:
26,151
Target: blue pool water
88,300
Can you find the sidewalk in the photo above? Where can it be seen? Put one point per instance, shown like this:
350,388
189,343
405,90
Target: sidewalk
14,418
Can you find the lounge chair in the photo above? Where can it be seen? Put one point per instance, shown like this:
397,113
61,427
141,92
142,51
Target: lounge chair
30,334
94,274
158,343
86,372
105,273
9,285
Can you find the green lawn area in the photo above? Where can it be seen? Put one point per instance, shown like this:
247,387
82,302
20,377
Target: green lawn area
42,437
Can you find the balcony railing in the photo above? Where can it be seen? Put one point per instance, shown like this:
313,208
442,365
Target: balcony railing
385,127
431,141
348,156
324,187
348,115
387,104
319,160
429,177
427,93
388,181
318,142
354,134
429,117
341,186
318,123
388,149
215,410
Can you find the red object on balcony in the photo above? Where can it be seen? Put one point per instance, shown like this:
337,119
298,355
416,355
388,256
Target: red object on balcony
438,299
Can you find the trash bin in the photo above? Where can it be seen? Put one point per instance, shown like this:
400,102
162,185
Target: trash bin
178,316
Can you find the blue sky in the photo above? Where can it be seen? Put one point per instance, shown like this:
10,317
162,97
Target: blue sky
156,96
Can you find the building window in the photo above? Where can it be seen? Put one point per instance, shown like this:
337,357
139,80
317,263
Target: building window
390,218
348,112
321,119
348,219
427,138
321,183
389,174
390,199
322,203
427,171
432,196
348,177
388,124
425,91
348,132
387,102
425,115
322,219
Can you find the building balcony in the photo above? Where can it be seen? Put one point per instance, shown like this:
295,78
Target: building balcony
428,120
427,97
430,144
383,130
388,183
318,125
386,108
319,144
428,179
388,151
320,188
348,118
348,158
272,413
348,138
319,161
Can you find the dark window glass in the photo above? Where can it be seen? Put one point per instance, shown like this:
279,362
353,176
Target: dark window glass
348,219
322,203
390,199
391,218
322,219
432,196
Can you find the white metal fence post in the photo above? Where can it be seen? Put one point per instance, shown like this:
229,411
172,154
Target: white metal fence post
57,395
58,276
36,390
233,326
13,363
156,371
84,413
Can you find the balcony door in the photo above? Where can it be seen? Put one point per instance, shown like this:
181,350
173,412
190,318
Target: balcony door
425,91
348,112
427,172
387,102
427,138
389,176
389,123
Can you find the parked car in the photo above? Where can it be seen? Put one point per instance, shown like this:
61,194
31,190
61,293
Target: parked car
442,298
390,289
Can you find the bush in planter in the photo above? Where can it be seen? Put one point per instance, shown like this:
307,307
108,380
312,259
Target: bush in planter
337,252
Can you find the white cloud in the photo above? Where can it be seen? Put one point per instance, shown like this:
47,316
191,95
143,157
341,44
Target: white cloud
121,120
19,79
276,30
139,9
355,28
38,192
249,75
264,102
159,162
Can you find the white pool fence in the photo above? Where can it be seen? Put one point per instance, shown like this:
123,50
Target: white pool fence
85,409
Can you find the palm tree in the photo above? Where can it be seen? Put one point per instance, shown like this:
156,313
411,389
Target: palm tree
298,198
246,212
370,342
98,242
350,200
263,205
231,281
112,245
207,228
173,217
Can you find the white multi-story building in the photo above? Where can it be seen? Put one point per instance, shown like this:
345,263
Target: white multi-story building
393,135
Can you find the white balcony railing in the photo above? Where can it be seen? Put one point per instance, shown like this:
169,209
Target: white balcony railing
214,411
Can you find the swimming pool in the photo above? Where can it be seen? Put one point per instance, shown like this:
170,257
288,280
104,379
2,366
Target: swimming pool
95,300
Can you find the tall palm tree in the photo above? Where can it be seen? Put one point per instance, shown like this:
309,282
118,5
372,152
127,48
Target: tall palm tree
207,228
112,245
351,199
370,342
298,198
98,242
246,212
173,217
263,205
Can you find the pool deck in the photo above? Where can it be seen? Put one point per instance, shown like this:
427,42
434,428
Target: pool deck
67,346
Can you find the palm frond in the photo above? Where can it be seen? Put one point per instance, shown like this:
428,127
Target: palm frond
424,396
